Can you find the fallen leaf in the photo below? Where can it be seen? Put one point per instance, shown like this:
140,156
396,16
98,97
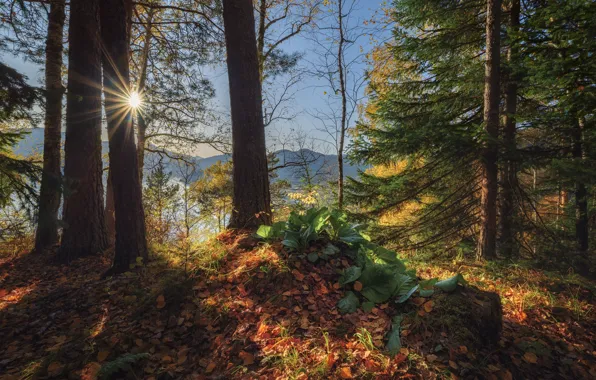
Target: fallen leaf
247,358
345,373
55,369
431,358
297,275
530,357
330,360
428,307
210,367
453,364
102,355
161,302
90,371
357,286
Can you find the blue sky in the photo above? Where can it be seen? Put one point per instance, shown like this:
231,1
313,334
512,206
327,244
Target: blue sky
310,98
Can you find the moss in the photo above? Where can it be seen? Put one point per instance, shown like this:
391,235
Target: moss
467,317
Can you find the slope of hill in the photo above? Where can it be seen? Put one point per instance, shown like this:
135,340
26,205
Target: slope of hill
324,166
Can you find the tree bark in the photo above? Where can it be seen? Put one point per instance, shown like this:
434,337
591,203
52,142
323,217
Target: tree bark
85,230
50,190
250,175
343,126
126,185
509,167
581,194
110,212
488,202
141,121
261,36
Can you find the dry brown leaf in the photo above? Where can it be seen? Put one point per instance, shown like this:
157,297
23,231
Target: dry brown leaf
428,307
161,301
247,358
55,369
431,358
297,275
530,357
210,367
90,371
102,355
345,373
453,364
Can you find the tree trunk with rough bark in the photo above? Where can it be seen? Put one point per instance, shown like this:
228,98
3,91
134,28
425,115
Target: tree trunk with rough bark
507,242
261,36
250,175
126,184
141,121
50,190
110,212
488,202
85,229
581,194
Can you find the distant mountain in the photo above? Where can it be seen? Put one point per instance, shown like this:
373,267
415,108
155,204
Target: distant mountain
322,166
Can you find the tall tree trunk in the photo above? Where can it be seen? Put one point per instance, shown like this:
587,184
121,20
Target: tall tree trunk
141,121
581,193
50,191
344,112
85,229
261,36
126,184
110,213
251,178
509,167
488,202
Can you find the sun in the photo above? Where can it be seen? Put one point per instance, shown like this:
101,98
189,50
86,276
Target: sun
134,100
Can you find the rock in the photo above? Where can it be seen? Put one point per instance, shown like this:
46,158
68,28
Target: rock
466,317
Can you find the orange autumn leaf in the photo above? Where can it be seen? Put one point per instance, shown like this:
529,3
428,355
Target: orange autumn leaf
55,368
210,367
247,358
345,373
90,371
428,307
297,275
102,355
161,302
330,360
357,286
530,357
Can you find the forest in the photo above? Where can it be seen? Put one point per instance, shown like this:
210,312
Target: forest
297,189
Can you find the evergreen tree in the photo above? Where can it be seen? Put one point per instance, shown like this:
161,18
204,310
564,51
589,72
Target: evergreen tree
161,200
85,229
124,171
252,204
17,176
560,64
50,190
425,125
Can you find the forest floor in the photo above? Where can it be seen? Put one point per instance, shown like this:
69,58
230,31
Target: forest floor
239,309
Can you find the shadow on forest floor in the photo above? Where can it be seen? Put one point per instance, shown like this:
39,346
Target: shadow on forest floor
258,312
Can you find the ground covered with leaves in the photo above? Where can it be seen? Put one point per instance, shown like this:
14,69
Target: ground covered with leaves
242,308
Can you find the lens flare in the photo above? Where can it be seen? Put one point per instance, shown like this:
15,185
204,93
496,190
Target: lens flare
134,100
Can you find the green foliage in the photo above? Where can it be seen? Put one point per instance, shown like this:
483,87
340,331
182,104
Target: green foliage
349,303
394,342
380,272
122,363
450,284
17,176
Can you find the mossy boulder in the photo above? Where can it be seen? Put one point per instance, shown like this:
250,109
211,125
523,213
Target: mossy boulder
467,317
